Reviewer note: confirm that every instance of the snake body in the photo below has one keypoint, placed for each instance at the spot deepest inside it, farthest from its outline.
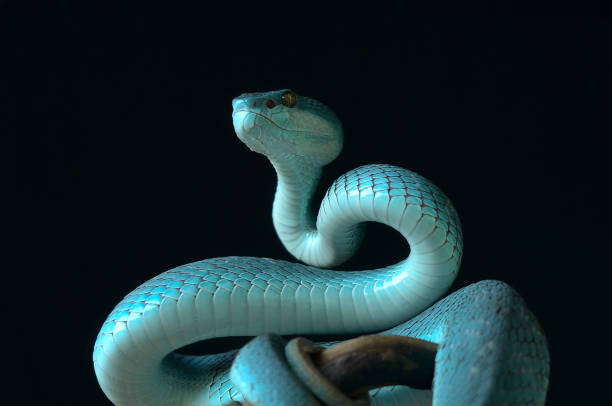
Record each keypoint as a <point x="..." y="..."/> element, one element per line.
<point x="491" y="348"/>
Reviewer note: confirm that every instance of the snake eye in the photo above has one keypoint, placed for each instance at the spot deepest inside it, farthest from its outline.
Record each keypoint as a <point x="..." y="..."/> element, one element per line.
<point x="288" y="99"/>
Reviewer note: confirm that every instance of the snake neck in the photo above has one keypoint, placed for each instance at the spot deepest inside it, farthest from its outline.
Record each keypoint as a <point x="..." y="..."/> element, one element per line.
<point x="291" y="211"/>
<point x="308" y="240"/>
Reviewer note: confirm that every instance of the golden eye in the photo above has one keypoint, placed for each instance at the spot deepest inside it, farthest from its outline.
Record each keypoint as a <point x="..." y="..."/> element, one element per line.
<point x="288" y="99"/>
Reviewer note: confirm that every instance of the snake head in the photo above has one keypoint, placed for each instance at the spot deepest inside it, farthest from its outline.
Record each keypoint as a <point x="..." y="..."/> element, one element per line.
<point x="285" y="125"/>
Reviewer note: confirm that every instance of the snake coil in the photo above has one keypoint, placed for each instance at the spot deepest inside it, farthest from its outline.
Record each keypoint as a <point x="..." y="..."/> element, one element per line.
<point x="491" y="348"/>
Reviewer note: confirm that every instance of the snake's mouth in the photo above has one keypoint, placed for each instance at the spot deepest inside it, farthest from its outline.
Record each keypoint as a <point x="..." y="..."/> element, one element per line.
<point x="247" y="111"/>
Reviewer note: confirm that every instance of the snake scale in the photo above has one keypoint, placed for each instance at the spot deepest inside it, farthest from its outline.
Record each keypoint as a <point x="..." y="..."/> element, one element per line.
<point x="492" y="350"/>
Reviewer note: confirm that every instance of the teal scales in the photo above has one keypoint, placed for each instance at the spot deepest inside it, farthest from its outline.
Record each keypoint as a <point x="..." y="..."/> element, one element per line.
<point x="491" y="348"/>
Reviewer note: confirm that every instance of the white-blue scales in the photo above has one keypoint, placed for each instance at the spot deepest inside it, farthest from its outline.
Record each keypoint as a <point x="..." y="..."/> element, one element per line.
<point x="491" y="348"/>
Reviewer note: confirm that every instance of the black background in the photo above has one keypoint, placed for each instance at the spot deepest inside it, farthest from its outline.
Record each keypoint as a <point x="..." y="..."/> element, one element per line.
<point x="126" y="164"/>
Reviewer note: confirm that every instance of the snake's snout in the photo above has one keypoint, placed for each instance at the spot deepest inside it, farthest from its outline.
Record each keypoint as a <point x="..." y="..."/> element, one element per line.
<point x="238" y="103"/>
<point x="245" y="122"/>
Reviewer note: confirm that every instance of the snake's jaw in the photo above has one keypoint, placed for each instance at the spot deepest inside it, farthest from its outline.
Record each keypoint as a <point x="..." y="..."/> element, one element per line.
<point x="306" y="129"/>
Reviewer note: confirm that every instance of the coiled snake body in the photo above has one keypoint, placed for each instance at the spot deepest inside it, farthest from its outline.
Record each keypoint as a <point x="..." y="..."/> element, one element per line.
<point x="491" y="348"/>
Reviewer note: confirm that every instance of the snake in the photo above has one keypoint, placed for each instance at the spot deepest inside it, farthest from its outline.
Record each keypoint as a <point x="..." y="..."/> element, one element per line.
<point x="491" y="348"/>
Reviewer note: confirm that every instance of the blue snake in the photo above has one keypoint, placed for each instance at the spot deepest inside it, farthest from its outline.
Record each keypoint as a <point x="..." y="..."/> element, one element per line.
<point x="491" y="351"/>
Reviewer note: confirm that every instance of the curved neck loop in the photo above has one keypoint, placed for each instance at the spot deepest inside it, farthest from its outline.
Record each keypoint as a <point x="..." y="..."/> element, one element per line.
<point x="291" y="211"/>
